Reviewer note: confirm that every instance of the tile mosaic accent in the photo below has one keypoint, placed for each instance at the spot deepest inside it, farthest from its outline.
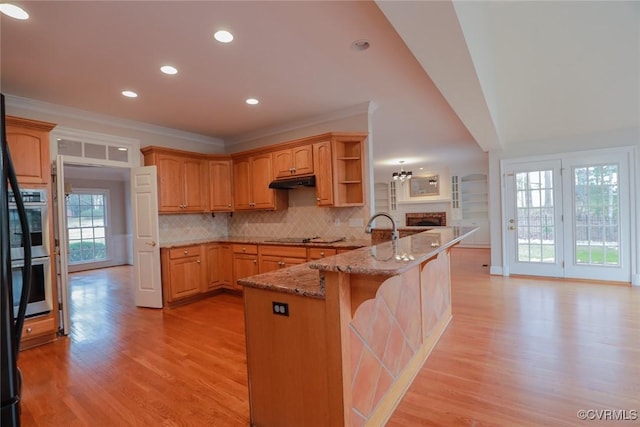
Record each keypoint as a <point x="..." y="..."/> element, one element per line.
<point x="184" y="227"/>
<point x="385" y="335"/>
<point x="302" y="219"/>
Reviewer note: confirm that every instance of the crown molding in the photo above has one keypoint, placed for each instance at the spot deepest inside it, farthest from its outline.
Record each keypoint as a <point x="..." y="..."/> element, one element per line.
<point x="75" y="113"/>
<point x="362" y="108"/>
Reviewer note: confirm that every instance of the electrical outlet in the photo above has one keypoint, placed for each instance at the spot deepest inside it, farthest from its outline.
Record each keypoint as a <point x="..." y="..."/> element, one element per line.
<point x="280" y="308"/>
<point x="336" y="222"/>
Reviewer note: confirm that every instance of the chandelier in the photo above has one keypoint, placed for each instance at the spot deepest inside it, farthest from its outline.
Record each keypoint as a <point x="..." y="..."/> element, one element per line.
<point x="403" y="175"/>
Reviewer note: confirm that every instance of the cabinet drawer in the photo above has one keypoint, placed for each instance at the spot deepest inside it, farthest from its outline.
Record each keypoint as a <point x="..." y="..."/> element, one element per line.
<point x="284" y="251"/>
<point x="33" y="328"/>
<point x="319" y="253"/>
<point x="184" y="251"/>
<point x="245" y="249"/>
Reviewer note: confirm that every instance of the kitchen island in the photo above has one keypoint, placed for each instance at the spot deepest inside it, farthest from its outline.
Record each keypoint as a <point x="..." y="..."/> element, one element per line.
<point x="337" y="341"/>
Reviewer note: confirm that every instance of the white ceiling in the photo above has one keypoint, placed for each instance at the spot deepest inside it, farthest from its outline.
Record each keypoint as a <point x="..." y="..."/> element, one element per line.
<point x="497" y="73"/>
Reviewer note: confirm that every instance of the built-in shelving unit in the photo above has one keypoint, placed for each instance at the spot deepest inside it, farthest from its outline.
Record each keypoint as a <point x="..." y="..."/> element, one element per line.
<point x="474" y="196"/>
<point x="470" y="207"/>
<point x="348" y="154"/>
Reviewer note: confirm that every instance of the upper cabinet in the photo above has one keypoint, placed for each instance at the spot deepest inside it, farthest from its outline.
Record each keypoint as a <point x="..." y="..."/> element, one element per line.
<point x="220" y="186"/>
<point x="324" y="178"/>
<point x="182" y="184"/>
<point x="29" y="145"/>
<point x="295" y="161"/>
<point x="251" y="178"/>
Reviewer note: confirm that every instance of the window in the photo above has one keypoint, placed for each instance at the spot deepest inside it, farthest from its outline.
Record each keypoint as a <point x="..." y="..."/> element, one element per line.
<point x="87" y="226"/>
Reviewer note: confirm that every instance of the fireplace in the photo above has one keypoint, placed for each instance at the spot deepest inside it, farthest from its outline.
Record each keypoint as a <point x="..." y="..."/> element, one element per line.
<point x="426" y="219"/>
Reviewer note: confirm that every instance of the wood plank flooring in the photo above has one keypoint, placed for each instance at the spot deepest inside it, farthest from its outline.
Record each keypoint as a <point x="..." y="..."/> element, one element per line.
<point x="518" y="352"/>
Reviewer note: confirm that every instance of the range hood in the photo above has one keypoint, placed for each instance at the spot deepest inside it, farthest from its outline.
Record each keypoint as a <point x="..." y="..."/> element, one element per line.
<point x="291" y="183"/>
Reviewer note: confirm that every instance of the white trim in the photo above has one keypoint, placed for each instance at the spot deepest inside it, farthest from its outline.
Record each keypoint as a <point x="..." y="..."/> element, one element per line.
<point x="635" y="279"/>
<point x="354" y="110"/>
<point x="75" y="113"/>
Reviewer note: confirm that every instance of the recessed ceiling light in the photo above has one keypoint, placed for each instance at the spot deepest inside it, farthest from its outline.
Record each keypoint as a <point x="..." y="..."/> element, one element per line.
<point x="360" y="45"/>
<point x="168" y="69"/>
<point x="252" y="101"/>
<point x="13" y="11"/>
<point x="129" y="94"/>
<point x="223" y="36"/>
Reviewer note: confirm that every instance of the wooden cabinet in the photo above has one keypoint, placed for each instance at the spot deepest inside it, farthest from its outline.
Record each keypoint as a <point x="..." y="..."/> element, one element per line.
<point x="324" y="177"/>
<point x="275" y="257"/>
<point x="182" y="184"/>
<point x="319" y="253"/>
<point x="38" y="330"/>
<point x="29" y="145"/>
<point x="183" y="273"/>
<point x="295" y="161"/>
<point x="220" y="186"/>
<point x="245" y="262"/>
<point x="251" y="178"/>
<point x="219" y="266"/>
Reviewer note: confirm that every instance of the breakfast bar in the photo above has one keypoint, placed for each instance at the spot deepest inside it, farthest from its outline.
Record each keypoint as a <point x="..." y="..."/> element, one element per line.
<point x="337" y="341"/>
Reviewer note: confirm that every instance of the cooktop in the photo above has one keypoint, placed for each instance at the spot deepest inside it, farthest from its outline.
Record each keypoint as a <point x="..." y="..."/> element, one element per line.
<point x="316" y="239"/>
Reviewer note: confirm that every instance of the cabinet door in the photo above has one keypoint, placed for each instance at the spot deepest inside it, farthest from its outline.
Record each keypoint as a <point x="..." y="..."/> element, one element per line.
<point x="30" y="154"/>
<point x="261" y="176"/>
<point x="302" y="160"/>
<point x="194" y="191"/>
<point x="241" y="185"/>
<point x="186" y="277"/>
<point x="214" y="273"/>
<point x="323" y="171"/>
<point x="244" y="265"/>
<point x="283" y="163"/>
<point x="220" y="190"/>
<point x="170" y="183"/>
<point x="225" y="265"/>
<point x="269" y="263"/>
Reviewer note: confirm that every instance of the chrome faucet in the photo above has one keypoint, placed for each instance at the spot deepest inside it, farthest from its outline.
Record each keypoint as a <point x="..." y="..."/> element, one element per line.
<point x="394" y="233"/>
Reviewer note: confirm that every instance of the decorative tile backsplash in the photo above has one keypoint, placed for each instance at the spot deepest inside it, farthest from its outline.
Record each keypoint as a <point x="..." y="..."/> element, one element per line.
<point x="185" y="227"/>
<point x="302" y="219"/>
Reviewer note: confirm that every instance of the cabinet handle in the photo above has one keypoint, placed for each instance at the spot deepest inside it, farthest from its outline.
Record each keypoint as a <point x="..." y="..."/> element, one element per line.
<point x="29" y="330"/>
<point x="255" y="261"/>
<point x="318" y="199"/>
<point x="198" y="261"/>
<point x="244" y="249"/>
<point x="322" y="254"/>
<point x="186" y="252"/>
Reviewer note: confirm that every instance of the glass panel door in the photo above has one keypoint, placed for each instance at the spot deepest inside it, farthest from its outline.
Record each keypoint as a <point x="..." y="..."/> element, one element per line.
<point x="534" y="230"/>
<point x="598" y="224"/>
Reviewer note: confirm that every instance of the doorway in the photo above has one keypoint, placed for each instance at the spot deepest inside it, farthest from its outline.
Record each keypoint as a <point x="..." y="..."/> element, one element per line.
<point x="569" y="216"/>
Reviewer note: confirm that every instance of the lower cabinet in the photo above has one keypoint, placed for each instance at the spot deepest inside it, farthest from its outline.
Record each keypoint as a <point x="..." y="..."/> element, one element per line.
<point x="219" y="267"/>
<point x="183" y="272"/>
<point x="191" y="271"/>
<point x="319" y="253"/>
<point x="245" y="262"/>
<point x="275" y="257"/>
<point x="38" y="330"/>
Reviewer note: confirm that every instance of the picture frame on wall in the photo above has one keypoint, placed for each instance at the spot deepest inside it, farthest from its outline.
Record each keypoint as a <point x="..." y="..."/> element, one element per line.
<point x="424" y="186"/>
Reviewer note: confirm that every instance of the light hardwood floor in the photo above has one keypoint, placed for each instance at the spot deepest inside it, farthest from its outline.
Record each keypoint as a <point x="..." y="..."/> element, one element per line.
<point x="518" y="352"/>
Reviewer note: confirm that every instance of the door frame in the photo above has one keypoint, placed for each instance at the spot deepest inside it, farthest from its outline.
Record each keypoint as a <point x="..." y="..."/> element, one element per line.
<point x="631" y="154"/>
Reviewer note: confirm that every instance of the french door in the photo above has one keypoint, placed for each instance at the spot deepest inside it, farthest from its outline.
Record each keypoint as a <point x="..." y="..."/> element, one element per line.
<point x="569" y="217"/>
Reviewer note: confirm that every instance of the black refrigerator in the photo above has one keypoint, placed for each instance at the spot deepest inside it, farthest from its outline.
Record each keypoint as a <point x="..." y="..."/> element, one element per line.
<point x="11" y="317"/>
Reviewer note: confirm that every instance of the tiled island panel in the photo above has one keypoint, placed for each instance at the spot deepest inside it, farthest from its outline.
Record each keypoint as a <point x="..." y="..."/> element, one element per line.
<point x="387" y="332"/>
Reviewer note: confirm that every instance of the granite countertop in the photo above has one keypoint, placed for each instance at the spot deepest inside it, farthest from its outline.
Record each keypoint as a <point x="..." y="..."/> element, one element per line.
<point x="389" y="258"/>
<point x="263" y="240"/>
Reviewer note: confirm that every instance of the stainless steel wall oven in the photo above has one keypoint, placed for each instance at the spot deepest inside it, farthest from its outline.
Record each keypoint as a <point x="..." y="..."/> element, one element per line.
<point x="35" y="203"/>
